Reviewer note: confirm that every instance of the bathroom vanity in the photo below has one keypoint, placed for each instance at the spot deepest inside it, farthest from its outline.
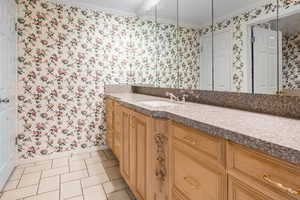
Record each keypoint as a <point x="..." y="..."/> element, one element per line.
<point x="195" y="151"/>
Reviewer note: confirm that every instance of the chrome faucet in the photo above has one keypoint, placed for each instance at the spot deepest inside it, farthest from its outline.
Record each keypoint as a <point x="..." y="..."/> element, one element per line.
<point x="177" y="99"/>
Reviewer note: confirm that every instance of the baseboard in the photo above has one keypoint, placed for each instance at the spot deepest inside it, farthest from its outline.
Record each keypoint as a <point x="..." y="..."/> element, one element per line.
<point x="6" y="171"/>
<point x="59" y="155"/>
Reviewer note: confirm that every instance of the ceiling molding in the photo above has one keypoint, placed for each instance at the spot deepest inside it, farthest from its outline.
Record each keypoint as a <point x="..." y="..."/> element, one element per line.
<point x="71" y="3"/>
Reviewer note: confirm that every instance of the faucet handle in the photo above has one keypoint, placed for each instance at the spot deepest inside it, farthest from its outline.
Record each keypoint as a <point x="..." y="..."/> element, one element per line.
<point x="184" y="98"/>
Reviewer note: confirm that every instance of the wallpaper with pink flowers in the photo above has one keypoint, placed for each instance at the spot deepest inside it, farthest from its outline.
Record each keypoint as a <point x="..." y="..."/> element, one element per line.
<point x="65" y="57"/>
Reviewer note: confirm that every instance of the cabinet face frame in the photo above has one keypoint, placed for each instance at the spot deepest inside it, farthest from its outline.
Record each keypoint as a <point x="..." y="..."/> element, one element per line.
<point x="117" y="128"/>
<point x="109" y="104"/>
<point x="126" y="146"/>
<point x="141" y="154"/>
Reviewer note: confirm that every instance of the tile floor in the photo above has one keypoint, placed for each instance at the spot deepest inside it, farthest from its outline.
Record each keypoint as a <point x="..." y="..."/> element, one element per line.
<point x="86" y="176"/>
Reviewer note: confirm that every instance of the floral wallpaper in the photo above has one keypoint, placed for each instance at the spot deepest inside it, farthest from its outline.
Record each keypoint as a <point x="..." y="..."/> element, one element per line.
<point x="65" y="57"/>
<point x="291" y="61"/>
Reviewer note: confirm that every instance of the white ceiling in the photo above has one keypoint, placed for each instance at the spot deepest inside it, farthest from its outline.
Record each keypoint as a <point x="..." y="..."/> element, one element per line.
<point x="127" y="7"/>
<point x="191" y="12"/>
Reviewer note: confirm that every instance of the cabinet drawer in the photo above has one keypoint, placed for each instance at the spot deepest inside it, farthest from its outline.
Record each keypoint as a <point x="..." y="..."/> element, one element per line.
<point x="193" y="178"/>
<point x="212" y="147"/>
<point x="264" y="170"/>
<point x="237" y="190"/>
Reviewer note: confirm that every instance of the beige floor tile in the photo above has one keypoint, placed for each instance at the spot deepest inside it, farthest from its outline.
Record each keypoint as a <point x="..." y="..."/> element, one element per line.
<point x="60" y="162"/>
<point x="113" y="173"/>
<point x="70" y="189"/>
<point x="114" y="186"/>
<point x="94" y="193"/>
<point x="54" y="195"/>
<point x="120" y="195"/>
<point x="110" y="163"/>
<point x="77" y="165"/>
<point x="77" y="198"/>
<point x="10" y="185"/>
<point x="80" y="156"/>
<point x="99" y="154"/>
<point x="55" y="172"/>
<point x="93" y="160"/>
<point x="94" y="180"/>
<point x="19" y="193"/>
<point x="74" y="176"/>
<point x="95" y="169"/>
<point x="30" y="179"/>
<point x="37" y="168"/>
<point x="25" y="165"/>
<point x="49" y="184"/>
<point x="44" y="162"/>
<point x="16" y="175"/>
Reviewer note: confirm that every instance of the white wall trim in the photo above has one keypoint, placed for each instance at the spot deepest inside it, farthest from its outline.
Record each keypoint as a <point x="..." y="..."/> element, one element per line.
<point x="93" y="7"/>
<point x="60" y="155"/>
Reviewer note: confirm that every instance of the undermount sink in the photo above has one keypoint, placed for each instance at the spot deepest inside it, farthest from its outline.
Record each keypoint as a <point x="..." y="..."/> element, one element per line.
<point x="157" y="103"/>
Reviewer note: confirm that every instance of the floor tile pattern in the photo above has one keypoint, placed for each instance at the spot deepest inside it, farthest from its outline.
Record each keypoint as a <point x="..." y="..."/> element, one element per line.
<point x="85" y="176"/>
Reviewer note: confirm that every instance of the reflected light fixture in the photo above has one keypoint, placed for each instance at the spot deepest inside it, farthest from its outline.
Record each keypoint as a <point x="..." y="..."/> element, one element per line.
<point x="146" y="6"/>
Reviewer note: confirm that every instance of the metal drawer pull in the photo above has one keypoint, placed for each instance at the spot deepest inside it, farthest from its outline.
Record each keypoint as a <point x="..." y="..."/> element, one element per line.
<point x="268" y="179"/>
<point x="190" y="140"/>
<point x="192" y="182"/>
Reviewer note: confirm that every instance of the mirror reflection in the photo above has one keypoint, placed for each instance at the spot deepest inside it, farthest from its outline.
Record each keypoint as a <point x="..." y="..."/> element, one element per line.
<point x="167" y="58"/>
<point x="195" y="44"/>
<point x="289" y="48"/>
<point x="245" y="46"/>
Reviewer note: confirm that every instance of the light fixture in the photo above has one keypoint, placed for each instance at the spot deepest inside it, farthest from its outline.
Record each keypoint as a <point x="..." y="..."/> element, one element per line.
<point x="146" y="6"/>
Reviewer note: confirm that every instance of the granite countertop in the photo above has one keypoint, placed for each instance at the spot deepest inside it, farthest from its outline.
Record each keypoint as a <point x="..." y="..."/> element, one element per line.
<point x="276" y="136"/>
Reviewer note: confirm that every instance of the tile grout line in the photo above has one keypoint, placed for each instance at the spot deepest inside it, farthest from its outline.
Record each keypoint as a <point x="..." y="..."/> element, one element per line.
<point x="86" y="167"/>
<point x="38" y="187"/>
<point x="82" y="190"/>
<point x="59" y="187"/>
<point x="17" y="187"/>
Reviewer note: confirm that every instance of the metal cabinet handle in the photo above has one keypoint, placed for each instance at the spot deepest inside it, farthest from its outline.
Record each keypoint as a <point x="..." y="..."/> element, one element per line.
<point x="268" y="179"/>
<point x="192" y="182"/>
<point x="190" y="140"/>
<point x="5" y="100"/>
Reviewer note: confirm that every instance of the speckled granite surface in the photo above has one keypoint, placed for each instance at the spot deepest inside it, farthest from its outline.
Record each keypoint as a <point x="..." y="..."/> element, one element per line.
<point x="285" y="106"/>
<point x="276" y="136"/>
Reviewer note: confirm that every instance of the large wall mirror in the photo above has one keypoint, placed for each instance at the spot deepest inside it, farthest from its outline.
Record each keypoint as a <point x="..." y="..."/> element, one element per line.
<point x="245" y="46"/>
<point x="249" y="46"/>
<point x="195" y="44"/>
<point x="167" y="35"/>
<point x="289" y="47"/>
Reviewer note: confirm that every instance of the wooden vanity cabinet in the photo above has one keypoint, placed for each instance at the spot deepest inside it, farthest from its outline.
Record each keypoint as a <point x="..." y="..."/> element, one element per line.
<point x="135" y="162"/>
<point x="117" y="130"/>
<point x="109" y="104"/>
<point x="141" y="126"/>
<point x="197" y="170"/>
<point x="165" y="160"/>
<point x="264" y="174"/>
<point x="126" y="154"/>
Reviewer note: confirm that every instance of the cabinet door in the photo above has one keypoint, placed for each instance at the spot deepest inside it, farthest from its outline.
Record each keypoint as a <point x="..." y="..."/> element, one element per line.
<point x="193" y="178"/>
<point x="109" y="120"/>
<point x="126" y="145"/>
<point x="141" y="160"/>
<point x="240" y="191"/>
<point x="117" y="130"/>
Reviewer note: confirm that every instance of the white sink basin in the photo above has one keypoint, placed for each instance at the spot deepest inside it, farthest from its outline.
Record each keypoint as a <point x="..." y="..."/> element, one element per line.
<point x="157" y="103"/>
